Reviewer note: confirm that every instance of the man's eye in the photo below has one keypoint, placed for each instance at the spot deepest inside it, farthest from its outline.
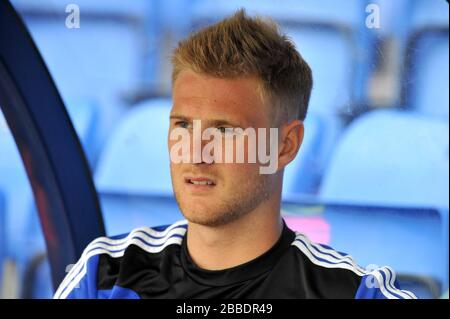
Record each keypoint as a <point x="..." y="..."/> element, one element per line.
<point x="224" y="130"/>
<point x="182" y="124"/>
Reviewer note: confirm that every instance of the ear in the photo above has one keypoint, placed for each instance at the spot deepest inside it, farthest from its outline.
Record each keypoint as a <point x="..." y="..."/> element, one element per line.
<point x="290" y="141"/>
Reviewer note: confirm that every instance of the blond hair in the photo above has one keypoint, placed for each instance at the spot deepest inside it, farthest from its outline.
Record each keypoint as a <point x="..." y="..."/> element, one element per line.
<point x="241" y="46"/>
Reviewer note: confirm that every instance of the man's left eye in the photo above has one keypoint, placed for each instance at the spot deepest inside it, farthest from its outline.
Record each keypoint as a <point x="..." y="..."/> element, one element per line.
<point x="224" y="130"/>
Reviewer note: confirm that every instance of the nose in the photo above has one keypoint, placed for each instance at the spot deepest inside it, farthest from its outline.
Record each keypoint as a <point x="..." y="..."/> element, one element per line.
<point x="197" y="152"/>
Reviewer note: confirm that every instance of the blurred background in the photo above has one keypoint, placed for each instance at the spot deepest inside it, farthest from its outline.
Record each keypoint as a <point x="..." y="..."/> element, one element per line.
<point x="372" y="175"/>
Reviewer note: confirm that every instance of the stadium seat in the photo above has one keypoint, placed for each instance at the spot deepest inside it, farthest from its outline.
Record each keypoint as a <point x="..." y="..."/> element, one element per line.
<point x="427" y="13"/>
<point x="84" y="116"/>
<point x="403" y="18"/>
<point x="135" y="162"/>
<point x="328" y="54"/>
<point x="136" y="158"/>
<point x="106" y="6"/>
<point x="348" y="12"/>
<point x="424" y="46"/>
<point x="102" y="61"/>
<point x="423" y="287"/>
<point x="123" y="212"/>
<point x="411" y="241"/>
<point x="37" y="282"/>
<point x="302" y="175"/>
<point x="392" y="158"/>
<point x="427" y="77"/>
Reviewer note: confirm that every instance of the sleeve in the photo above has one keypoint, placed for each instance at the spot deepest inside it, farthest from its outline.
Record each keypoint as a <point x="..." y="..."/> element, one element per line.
<point x="81" y="281"/>
<point x="381" y="284"/>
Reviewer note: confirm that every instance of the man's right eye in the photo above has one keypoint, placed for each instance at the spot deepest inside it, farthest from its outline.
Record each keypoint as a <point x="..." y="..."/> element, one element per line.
<point x="182" y="124"/>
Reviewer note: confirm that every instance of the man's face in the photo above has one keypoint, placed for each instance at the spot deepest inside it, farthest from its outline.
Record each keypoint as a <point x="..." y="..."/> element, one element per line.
<point x="232" y="189"/>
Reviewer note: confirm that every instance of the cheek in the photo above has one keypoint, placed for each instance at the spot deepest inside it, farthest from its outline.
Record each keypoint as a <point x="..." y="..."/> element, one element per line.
<point x="239" y="174"/>
<point x="175" y="170"/>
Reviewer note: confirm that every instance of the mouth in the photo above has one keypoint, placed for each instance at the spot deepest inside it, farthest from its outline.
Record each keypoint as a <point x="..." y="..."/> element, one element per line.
<point x="200" y="183"/>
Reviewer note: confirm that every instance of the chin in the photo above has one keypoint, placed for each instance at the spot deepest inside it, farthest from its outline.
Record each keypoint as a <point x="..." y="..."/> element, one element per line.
<point x="210" y="217"/>
<point x="198" y="214"/>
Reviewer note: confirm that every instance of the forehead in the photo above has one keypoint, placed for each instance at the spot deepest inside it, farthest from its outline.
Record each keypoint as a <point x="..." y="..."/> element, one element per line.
<point x="202" y="96"/>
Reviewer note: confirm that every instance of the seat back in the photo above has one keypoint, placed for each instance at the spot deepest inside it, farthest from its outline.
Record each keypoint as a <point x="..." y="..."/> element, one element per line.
<point x="136" y="158"/>
<point x="101" y="61"/>
<point x="391" y="158"/>
<point x="395" y="159"/>
<point x="427" y="76"/>
<point x="412" y="241"/>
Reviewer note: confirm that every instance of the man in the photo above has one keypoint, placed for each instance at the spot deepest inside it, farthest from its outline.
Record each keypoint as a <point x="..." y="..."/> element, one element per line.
<point x="239" y="73"/>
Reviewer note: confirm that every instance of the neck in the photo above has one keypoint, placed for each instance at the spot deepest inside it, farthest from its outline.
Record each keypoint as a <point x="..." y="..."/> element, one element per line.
<point x="227" y="246"/>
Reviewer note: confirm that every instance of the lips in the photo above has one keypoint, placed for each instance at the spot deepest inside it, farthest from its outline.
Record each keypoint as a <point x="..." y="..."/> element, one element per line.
<point x="200" y="182"/>
<point x="196" y="182"/>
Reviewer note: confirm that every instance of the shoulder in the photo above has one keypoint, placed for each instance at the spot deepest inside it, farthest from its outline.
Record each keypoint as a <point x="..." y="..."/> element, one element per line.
<point x="148" y="240"/>
<point x="372" y="283"/>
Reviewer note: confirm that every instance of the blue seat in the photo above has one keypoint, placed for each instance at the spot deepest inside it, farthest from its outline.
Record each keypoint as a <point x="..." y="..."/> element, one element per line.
<point x="123" y="212"/>
<point x="427" y="13"/>
<point x="411" y="241"/>
<point x="41" y="287"/>
<point x="135" y="162"/>
<point x="392" y="158"/>
<point x="134" y="8"/>
<point x="302" y="176"/>
<point x="84" y="115"/>
<point x="423" y="287"/>
<point x="427" y="76"/>
<point x="329" y="54"/>
<point x="136" y="158"/>
<point x="308" y="10"/>
<point x="402" y="18"/>
<point x="424" y="45"/>
<point x="102" y="61"/>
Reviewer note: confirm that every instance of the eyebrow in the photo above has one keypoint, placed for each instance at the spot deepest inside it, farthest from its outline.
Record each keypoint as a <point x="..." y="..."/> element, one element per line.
<point x="212" y="122"/>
